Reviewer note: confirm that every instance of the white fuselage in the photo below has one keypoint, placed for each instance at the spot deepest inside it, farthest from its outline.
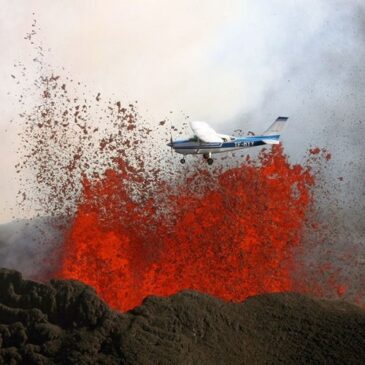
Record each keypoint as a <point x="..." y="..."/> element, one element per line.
<point x="188" y="147"/>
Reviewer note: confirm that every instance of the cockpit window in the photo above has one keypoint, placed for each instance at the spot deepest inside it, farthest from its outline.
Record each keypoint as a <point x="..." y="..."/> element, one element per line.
<point x="193" y="139"/>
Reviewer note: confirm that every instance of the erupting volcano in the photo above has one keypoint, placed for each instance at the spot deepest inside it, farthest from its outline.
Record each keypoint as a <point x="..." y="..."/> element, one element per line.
<point x="232" y="239"/>
<point x="142" y="224"/>
<point x="115" y="250"/>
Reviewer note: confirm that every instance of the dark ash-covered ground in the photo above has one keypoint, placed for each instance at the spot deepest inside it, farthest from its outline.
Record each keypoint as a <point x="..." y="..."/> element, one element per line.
<point x="64" y="322"/>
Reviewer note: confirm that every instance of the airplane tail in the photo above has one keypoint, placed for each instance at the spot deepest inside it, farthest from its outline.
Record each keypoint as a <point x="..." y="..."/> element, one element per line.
<point x="276" y="128"/>
<point x="273" y="132"/>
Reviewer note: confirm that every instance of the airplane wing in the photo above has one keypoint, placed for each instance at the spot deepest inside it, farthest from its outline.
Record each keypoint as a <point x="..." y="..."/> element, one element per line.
<point x="205" y="133"/>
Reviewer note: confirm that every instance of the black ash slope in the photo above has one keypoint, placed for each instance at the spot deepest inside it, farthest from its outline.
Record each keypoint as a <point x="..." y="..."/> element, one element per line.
<point x="64" y="322"/>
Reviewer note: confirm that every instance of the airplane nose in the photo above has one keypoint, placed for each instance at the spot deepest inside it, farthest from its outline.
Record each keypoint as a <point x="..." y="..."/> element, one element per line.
<point x="169" y="144"/>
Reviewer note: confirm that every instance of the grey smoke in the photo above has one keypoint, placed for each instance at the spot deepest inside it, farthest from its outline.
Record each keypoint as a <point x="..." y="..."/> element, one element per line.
<point x="321" y="87"/>
<point x="323" y="92"/>
<point x="30" y="246"/>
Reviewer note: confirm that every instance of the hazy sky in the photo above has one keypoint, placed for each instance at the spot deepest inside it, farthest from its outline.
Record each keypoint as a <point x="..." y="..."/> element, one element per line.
<point x="232" y="63"/>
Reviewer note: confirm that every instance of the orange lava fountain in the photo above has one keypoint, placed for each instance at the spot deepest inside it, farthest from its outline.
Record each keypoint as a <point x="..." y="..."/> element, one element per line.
<point x="232" y="239"/>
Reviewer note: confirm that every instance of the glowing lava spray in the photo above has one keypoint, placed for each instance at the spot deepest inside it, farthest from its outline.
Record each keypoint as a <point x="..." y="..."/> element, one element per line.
<point x="232" y="239"/>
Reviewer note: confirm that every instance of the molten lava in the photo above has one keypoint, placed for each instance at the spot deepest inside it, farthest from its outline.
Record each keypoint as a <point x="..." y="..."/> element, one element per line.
<point x="232" y="239"/>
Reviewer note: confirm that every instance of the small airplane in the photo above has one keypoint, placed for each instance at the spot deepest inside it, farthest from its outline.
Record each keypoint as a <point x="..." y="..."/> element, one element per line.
<point x="207" y="141"/>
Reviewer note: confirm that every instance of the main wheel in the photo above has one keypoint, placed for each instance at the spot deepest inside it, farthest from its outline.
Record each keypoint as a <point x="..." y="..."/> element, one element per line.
<point x="182" y="160"/>
<point x="210" y="161"/>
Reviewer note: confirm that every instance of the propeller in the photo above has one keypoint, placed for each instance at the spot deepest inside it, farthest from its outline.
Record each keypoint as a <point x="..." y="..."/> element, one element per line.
<point x="171" y="143"/>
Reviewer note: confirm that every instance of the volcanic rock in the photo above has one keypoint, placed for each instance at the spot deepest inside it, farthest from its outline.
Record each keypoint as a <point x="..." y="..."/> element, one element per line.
<point x="65" y="322"/>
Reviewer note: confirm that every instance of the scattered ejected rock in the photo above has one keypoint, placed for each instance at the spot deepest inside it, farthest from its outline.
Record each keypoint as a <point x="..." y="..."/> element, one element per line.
<point x="64" y="322"/>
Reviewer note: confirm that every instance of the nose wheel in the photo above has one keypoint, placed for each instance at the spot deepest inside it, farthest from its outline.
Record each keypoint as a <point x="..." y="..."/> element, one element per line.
<point x="208" y="158"/>
<point x="182" y="160"/>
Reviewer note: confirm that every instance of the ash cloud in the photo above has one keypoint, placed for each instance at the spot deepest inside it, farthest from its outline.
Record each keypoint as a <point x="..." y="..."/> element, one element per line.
<point x="31" y="246"/>
<point x="320" y="85"/>
<point x="322" y="89"/>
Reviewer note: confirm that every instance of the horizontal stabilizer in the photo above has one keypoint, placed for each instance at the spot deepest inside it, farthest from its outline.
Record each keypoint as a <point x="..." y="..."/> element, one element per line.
<point x="271" y="141"/>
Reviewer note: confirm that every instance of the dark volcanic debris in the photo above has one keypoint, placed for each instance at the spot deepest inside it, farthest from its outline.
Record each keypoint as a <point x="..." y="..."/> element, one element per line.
<point x="64" y="322"/>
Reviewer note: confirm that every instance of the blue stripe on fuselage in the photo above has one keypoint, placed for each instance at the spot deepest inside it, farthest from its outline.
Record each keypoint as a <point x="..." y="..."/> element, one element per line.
<point x="255" y="138"/>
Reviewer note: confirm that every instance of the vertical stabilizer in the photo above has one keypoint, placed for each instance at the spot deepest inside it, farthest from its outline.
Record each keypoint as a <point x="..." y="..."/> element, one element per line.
<point x="277" y="127"/>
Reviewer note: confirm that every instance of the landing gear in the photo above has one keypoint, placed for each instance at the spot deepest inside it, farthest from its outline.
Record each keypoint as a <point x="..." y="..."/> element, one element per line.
<point x="182" y="160"/>
<point x="208" y="157"/>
